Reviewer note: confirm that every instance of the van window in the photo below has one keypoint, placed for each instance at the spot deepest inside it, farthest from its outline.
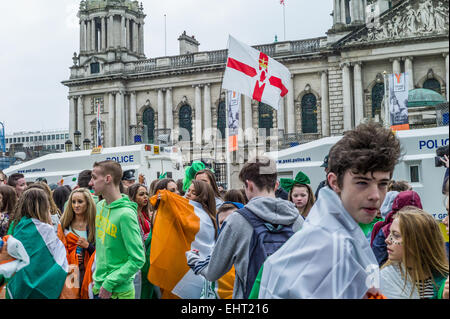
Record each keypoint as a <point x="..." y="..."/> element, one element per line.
<point x="414" y="173"/>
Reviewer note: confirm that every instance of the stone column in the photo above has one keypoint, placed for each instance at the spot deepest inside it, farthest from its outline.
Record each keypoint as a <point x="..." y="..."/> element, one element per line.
<point x="396" y="67"/>
<point x="72" y="118"/>
<point x="207" y="107"/>
<point x="447" y="76"/>
<point x="290" y="110"/>
<point x="247" y="115"/>
<point x="343" y="16"/>
<point x="80" y="115"/>
<point x="141" y="38"/>
<point x="119" y="117"/>
<point x="410" y="71"/>
<point x="135" y="37"/>
<point x="111" y="31"/>
<point x="93" y="37"/>
<point x="82" y="40"/>
<point x="337" y="12"/>
<point x="347" y="101"/>
<point x="353" y="11"/>
<point x="325" y="110"/>
<point x="122" y="33"/>
<point x="359" y="93"/>
<point x="127" y="23"/>
<point x="280" y="114"/>
<point x="169" y="110"/>
<point x="133" y="109"/>
<point x="198" y="115"/>
<point x="88" y="35"/>
<point x="111" y="123"/>
<point x="160" y="109"/>
<point x="103" y="33"/>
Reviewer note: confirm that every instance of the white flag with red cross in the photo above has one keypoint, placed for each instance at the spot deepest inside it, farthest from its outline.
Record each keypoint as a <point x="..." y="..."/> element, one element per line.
<point x="255" y="74"/>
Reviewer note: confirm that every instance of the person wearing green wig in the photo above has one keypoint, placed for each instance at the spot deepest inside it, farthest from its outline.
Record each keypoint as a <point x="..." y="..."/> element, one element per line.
<point x="189" y="173"/>
<point x="300" y="193"/>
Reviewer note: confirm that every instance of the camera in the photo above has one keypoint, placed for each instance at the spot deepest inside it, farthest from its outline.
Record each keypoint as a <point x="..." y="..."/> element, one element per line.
<point x="440" y="152"/>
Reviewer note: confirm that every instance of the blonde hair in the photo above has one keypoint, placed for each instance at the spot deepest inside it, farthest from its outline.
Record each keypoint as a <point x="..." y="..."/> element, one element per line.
<point x="91" y="210"/>
<point x="424" y="253"/>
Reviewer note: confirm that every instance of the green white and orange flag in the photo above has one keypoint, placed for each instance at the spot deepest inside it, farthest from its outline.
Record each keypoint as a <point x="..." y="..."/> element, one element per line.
<point x="45" y="276"/>
<point x="180" y="225"/>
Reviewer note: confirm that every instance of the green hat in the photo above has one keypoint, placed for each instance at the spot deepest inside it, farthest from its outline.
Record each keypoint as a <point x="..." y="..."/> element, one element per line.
<point x="301" y="178"/>
<point x="190" y="172"/>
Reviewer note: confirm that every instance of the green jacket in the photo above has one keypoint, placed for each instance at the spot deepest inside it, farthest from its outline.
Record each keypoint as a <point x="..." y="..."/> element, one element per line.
<point x="119" y="249"/>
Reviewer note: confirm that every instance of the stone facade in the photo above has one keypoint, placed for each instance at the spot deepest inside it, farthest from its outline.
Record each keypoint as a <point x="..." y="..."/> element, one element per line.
<point x="340" y="75"/>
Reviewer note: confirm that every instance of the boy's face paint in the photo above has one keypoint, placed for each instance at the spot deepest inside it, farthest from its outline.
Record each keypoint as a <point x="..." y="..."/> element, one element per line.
<point x="361" y="194"/>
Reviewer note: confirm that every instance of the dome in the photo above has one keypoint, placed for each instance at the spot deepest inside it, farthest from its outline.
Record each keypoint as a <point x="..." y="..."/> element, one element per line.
<point x="424" y="97"/>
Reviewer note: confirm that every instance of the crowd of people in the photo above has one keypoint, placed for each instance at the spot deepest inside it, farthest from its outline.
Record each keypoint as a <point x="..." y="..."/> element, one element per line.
<point x="116" y="236"/>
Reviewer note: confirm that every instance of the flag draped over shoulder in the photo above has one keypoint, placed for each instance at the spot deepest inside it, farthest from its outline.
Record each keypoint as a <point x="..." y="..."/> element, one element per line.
<point x="180" y="225"/>
<point x="88" y="283"/>
<point x="255" y="74"/>
<point x="70" y="240"/>
<point x="46" y="274"/>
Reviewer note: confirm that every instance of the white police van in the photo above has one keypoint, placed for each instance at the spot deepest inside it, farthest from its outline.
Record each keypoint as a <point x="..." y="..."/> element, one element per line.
<point x="416" y="166"/>
<point x="147" y="159"/>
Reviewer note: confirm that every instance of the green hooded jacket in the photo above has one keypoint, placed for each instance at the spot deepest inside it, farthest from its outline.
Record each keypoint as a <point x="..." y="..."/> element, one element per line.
<point x="119" y="250"/>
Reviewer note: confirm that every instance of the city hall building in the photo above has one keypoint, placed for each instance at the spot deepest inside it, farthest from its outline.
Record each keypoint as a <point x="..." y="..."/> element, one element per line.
<point x="337" y="81"/>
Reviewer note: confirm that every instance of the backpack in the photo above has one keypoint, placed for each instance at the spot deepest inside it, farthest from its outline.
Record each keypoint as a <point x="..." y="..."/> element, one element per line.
<point x="266" y="240"/>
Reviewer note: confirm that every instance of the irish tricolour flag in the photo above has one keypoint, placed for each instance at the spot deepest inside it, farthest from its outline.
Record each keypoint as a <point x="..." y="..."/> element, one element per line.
<point x="46" y="274"/>
<point x="180" y="225"/>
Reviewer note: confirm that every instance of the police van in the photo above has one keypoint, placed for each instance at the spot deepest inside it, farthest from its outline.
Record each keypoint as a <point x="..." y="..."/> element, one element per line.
<point x="150" y="160"/>
<point x="416" y="166"/>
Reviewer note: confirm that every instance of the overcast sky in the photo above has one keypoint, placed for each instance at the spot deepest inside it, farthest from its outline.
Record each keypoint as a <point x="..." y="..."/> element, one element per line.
<point x="38" y="39"/>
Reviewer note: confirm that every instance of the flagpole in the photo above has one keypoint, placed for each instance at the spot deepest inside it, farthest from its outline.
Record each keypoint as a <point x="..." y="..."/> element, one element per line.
<point x="165" y="36"/>
<point x="284" y="20"/>
<point x="227" y="130"/>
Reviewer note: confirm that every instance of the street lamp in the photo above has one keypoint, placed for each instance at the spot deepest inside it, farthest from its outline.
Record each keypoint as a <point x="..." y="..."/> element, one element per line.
<point x="77" y="138"/>
<point x="68" y="146"/>
<point x="86" y="144"/>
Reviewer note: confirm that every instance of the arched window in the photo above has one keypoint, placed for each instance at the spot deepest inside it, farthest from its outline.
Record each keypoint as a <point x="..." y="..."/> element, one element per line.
<point x="221" y="118"/>
<point x="377" y="98"/>
<point x="309" y="113"/>
<point x="265" y="117"/>
<point x="185" y="120"/>
<point x="432" y="84"/>
<point x="148" y="119"/>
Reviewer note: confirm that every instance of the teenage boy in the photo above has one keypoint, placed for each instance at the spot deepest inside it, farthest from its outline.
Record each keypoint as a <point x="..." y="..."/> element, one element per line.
<point x="330" y="257"/>
<point x="119" y="250"/>
<point x="233" y="244"/>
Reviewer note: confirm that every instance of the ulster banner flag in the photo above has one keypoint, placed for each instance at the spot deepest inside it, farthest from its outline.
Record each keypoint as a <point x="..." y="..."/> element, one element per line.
<point x="254" y="74"/>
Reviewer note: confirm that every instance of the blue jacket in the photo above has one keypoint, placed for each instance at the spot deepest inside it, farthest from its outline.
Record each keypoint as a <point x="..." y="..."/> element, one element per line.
<point x="379" y="248"/>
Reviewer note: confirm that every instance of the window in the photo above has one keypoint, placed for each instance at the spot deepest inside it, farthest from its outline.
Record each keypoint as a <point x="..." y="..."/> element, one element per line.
<point x="62" y="146"/>
<point x="414" y="173"/>
<point x="95" y="68"/>
<point x="15" y="140"/>
<point x="265" y="118"/>
<point x="221" y="118"/>
<point x="57" y="146"/>
<point x="40" y="137"/>
<point x="27" y="139"/>
<point x="377" y="98"/>
<point x="53" y="147"/>
<point x="53" y="136"/>
<point x="148" y="119"/>
<point x="432" y="84"/>
<point x="67" y="136"/>
<point x="48" y="137"/>
<point x="309" y="113"/>
<point x="185" y="119"/>
<point x="6" y="140"/>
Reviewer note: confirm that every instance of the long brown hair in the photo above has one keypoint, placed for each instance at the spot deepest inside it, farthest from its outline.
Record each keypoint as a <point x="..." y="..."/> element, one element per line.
<point x="91" y="210"/>
<point x="205" y="196"/>
<point x="212" y="181"/>
<point x="424" y="253"/>
<point x="33" y="203"/>
<point x="54" y="210"/>
<point x="9" y="199"/>
<point x="311" y="198"/>
<point x="132" y="193"/>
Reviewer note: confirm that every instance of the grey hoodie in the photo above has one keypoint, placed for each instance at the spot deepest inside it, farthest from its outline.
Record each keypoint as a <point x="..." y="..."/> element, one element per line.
<point x="232" y="245"/>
